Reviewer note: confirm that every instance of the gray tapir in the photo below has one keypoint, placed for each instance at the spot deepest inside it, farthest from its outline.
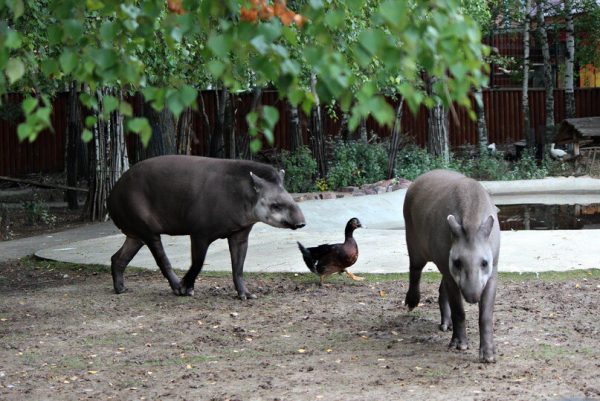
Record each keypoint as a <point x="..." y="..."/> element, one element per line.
<point x="201" y="197"/>
<point x="451" y="221"/>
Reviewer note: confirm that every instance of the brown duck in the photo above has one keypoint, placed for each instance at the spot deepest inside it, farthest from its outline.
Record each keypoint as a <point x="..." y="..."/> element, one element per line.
<point x="327" y="259"/>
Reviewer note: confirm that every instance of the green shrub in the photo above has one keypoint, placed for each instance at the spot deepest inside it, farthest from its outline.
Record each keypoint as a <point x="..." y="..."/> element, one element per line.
<point x="357" y="163"/>
<point x="300" y="170"/>
<point x="412" y="161"/>
<point x="487" y="167"/>
<point x="527" y="168"/>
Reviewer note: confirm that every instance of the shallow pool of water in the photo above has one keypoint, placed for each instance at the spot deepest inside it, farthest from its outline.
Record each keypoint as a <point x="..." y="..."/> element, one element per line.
<point x="549" y="217"/>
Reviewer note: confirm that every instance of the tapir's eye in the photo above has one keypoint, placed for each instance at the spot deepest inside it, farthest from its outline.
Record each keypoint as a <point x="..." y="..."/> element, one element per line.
<point x="457" y="264"/>
<point x="276" y="207"/>
<point x="484" y="263"/>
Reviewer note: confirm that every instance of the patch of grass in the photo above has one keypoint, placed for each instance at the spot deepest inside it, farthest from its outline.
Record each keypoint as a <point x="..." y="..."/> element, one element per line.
<point x="188" y="360"/>
<point x="308" y="277"/>
<point x="549" y="351"/>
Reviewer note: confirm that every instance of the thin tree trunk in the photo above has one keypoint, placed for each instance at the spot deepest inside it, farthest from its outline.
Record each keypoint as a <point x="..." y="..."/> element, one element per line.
<point x="344" y="133"/>
<point x="530" y="139"/>
<point x="438" y="140"/>
<point x="570" y="60"/>
<point x="74" y="130"/>
<point x="229" y="127"/>
<point x="316" y="130"/>
<point x="243" y="140"/>
<point x="395" y="141"/>
<point x="185" y="133"/>
<point x="109" y="157"/>
<point x="205" y="125"/>
<point x="295" y="132"/>
<point x="482" y="132"/>
<point x="217" y="139"/>
<point x="363" y="130"/>
<point x="548" y="82"/>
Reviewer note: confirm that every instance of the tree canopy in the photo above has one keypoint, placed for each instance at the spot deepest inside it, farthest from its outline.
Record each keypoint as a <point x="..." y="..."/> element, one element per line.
<point x="169" y="50"/>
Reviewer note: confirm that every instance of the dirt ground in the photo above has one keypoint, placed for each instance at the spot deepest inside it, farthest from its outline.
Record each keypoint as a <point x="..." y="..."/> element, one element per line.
<point x="64" y="335"/>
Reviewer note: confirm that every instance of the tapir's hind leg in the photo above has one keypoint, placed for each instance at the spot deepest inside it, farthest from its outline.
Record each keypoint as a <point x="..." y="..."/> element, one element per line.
<point x="199" y="248"/>
<point x="163" y="263"/>
<point x="445" y="312"/>
<point x="121" y="259"/>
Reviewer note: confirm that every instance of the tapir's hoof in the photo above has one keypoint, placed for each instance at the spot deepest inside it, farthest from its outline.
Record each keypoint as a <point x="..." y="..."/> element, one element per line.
<point x="459" y="345"/>
<point x="183" y="290"/>
<point x="246" y="295"/>
<point x="412" y="301"/>
<point x="486" y="356"/>
<point x="121" y="290"/>
<point x="446" y="327"/>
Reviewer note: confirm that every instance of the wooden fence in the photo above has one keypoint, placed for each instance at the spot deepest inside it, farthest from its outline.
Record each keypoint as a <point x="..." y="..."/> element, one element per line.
<point x="502" y="108"/>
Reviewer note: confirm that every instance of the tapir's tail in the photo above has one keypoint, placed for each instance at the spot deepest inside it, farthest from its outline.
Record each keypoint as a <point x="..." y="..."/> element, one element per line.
<point x="307" y="258"/>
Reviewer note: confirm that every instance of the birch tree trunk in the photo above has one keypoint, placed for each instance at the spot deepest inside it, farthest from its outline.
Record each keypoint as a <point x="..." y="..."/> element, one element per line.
<point x="570" y="60"/>
<point x="110" y="159"/>
<point x="548" y="82"/>
<point x="482" y="132"/>
<point x="529" y="137"/>
<point x="295" y="130"/>
<point x="395" y="141"/>
<point x="438" y="139"/>
<point x="74" y="143"/>
<point x="363" y="134"/>
<point x="316" y="130"/>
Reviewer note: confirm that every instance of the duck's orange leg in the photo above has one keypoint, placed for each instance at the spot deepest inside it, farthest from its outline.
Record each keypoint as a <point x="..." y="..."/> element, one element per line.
<point x="353" y="277"/>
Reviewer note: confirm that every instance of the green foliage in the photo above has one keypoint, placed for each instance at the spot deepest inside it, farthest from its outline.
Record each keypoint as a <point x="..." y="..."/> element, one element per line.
<point x="37" y="212"/>
<point x="356" y="49"/>
<point x="357" y="163"/>
<point x="300" y="169"/>
<point x="527" y="168"/>
<point x="412" y="161"/>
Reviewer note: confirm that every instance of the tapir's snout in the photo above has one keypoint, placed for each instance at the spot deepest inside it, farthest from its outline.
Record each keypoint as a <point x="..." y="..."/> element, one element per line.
<point x="299" y="225"/>
<point x="471" y="296"/>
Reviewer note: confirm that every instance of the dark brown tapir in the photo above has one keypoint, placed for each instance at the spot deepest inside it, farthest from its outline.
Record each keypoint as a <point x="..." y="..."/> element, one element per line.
<point x="451" y="220"/>
<point x="204" y="198"/>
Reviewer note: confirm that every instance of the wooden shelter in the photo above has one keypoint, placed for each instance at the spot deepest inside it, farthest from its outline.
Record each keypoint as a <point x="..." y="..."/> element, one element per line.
<point x="580" y="132"/>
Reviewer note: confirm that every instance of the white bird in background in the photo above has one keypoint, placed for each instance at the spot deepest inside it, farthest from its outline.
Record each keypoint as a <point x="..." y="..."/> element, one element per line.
<point x="491" y="148"/>
<point x="557" y="153"/>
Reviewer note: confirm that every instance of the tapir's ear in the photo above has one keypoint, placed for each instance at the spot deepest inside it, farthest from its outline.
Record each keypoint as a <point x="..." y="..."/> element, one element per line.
<point x="486" y="227"/>
<point x="258" y="182"/>
<point x="455" y="226"/>
<point x="282" y="174"/>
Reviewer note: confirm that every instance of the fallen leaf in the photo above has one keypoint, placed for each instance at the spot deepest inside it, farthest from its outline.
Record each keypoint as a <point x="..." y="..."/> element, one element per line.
<point x="382" y="293"/>
<point x="188" y="366"/>
<point x="301" y="351"/>
<point x="92" y="372"/>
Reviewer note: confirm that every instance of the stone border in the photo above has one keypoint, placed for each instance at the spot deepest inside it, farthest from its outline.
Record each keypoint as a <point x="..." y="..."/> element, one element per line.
<point x="379" y="187"/>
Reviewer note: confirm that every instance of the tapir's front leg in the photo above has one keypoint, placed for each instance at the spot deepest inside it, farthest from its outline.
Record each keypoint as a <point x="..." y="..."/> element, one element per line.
<point x="238" y="245"/>
<point x="487" y="350"/>
<point x="459" y="332"/>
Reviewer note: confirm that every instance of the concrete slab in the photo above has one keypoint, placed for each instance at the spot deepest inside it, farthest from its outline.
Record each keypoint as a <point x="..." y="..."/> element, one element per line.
<point x="382" y="244"/>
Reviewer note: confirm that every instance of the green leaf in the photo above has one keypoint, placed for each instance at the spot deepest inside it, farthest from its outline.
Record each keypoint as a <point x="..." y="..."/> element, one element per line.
<point x="29" y="105"/>
<point x="13" y="39"/>
<point x="141" y="127"/>
<point x="110" y="104"/>
<point x="90" y="121"/>
<point x="24" y="131"/>
<point x="73" y="29"/>
<point x="216" y="68"/>
<point x="188" y="95"/>
<point x="15" y="69"/>
<point x="17" y="7"/>
<point x="270" y="115"/>
<point x="220" y="45"/>
<point x="108" y="31"/>
<point x="55" y="34"/>
<point x="255" y="145"/>
<point x="126" y="109"/>
<point x="334" y="18"/>
<point x="86" y="135"/>
<point x="50" y="67"/>
<point x="68" y="61"/>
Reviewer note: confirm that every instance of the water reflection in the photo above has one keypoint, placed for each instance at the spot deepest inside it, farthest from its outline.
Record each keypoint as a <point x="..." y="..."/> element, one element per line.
<point x="549" y="217"/>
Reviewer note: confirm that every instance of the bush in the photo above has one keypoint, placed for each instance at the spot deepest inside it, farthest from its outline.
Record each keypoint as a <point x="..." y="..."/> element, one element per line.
<point x="526" y="168"/>
<point x="412" y="161"/>
<point x="300" y="170"/>
<point x="357" y="163"/>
